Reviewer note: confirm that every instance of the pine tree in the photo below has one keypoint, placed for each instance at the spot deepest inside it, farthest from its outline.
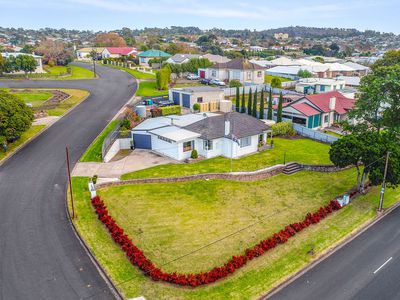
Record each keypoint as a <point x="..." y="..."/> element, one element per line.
<point x="243" y="102"/>
<point x="237" y="99"/>
<point x="249" y="103"/>
<point x="279" y="115"/>
<point x="261" y="116"/>
<point x="270" y="111"/>
<point x="254" y="112"/>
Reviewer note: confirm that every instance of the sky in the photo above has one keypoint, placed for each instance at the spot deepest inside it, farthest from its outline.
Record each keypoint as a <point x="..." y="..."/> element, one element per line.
<point x="106" y="15"/>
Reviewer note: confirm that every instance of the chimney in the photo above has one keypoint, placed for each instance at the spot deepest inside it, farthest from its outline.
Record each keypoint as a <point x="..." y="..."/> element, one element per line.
<point x="227" y="127"/>
<point x="332" y="103"/>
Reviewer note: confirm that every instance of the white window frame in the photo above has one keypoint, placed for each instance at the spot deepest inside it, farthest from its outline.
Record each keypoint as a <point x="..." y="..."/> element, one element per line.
<point x="208" y="145"/>
<point x="187" y="149"/>
<point x="259" y="74"/>
<point x="248" y="75"/>
<point x="245" y="142"/>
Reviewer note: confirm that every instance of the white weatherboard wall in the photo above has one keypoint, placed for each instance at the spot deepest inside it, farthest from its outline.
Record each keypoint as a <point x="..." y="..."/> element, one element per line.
<point x="165" y="148"/>
<point x="119" y="144"/>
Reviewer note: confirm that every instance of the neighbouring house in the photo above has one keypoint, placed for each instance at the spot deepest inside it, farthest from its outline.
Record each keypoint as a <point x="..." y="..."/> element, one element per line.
<point x="359" y="70"/>
<point x="319" y="85"/>
<point x="238" y="69"/>
<point x="230" y="135"/>
<point x="145" y="56"/>
<point x="179" y="59"/>
<point x="216" y="59"/>
<point x="85" y="53"/>
<point x="318" y="111"/>
<point x="38" y="59"/>
<point x="118" y="52"/>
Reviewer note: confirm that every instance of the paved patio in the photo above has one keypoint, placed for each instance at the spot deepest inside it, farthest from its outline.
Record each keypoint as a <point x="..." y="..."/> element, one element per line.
<point x="137" y="160"/>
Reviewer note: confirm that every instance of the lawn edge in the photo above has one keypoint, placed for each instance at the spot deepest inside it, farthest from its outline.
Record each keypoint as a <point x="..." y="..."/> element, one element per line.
<point x="28" y="141"/>
<point x="330" y="251"/>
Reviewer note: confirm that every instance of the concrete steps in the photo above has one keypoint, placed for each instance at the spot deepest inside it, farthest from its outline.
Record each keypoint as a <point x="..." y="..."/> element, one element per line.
<point x="292" y="168"/>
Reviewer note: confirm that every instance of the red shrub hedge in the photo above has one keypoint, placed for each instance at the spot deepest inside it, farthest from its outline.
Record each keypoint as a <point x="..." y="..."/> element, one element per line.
<point x="137" y="257"/>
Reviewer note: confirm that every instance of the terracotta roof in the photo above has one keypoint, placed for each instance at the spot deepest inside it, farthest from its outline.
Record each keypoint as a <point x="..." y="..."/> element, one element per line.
<point x="121" y="50"/>
<point x="238" y="64"/>
<point x="343" y="104"/>
<point x="305" y="109"/>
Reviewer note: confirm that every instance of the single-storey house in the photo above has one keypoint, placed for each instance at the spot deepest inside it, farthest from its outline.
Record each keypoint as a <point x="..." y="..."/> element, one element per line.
<point x="216" y="59"/>
<point x="182" y="58"/>
<point x="117" y="52"/>
<point x="230" y="135"/>
<point x="38" y="59"/>
<point x="359" y="70"/>
<point x="188" y="96"/>
<point x="319" y="110"/>
<point x="145" y="56"/>
<point x="319" y="85"/>
<point x="85" y="53"/>
<point x="238" y="69"/>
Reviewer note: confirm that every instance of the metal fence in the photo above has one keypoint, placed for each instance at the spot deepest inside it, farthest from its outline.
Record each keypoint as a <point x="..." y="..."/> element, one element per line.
<point x="109" y="140"/>
<point x="315" y="135"/>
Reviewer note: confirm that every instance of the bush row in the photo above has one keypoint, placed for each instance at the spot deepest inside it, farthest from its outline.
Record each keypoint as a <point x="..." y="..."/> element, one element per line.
<point x="138" y="258"/>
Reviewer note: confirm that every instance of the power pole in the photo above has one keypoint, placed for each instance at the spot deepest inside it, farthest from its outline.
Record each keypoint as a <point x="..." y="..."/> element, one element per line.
<point x="70" y="183"/>
<point x="384" y="183"/>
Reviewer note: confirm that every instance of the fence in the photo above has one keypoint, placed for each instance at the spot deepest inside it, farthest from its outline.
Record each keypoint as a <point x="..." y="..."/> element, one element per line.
<point x="109" y="140"/>
<point x="315" y="135"/>
<point x="259" y="87"/>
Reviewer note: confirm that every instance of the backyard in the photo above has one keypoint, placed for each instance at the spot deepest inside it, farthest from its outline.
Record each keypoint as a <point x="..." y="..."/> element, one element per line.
<point x="168" y="221"/>
<point x="148" y="88"/>
<point x="268" y="79"/>
<point x="301" y="150"/>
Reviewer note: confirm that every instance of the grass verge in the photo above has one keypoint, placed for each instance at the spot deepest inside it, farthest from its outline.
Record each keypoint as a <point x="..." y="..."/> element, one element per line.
<point x="30" y="133"/>
<point x="76" y="97"/>
<point x="255" y="279"/>
<point x="148" y="89"/>
<point x="93" y="153"/>
<point x="135" y="73"/>
<point x="301" y="150"/>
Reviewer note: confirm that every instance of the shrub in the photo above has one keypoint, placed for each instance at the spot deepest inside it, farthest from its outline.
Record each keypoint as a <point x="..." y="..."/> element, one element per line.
<point x="94" y="179"/>
<point x="283" y="128"/>
<point x="125" y="124"/>
<point x="276" y="82"/>
<point x="235" y="83"/>
<point x="170" y="110"/>
<point x="196" y="107"/>
<point x="194" y="154"/>
<point x="51" y="63"/>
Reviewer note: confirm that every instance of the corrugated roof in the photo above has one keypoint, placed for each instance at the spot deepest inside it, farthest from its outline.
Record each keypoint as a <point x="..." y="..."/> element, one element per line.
<point x="343" y="104"/>
<point x="238" y="64"/>
<point x="305" y="109"/>
<point x="154" y="53"/>
<point x="175" y="133"/>
<point x="121" y="50"/>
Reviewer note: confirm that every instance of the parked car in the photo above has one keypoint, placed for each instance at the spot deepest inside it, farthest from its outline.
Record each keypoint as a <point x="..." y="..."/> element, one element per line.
<point x="192" y="77"/>
<point x="217" y="82"/>
<point x="165" y="102"/>
<point x="205" y="81"/>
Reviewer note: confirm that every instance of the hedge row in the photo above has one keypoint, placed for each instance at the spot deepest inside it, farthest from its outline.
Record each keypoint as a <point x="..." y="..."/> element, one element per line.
<point x="170" y="110"/>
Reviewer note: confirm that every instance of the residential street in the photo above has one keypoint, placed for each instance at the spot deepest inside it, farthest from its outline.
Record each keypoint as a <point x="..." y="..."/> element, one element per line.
<point x="41" y="258"/>
<point x="366" y="268"/>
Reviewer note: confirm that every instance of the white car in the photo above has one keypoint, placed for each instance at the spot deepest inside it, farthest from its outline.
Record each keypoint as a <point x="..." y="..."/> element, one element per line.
<point x="217" y="82"/>
<point x="192" y="77"/>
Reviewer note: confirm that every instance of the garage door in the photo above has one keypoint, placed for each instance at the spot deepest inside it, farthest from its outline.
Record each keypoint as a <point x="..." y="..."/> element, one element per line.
<point x="186" y="100"/>
<point x="142" y="141"/>
<point x="175" y="98"/>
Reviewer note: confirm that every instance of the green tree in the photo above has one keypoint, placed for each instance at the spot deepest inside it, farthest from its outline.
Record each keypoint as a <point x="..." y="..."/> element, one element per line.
<point x="163" y="78"/>
<point x="15" y="117"/>
<point x="25" y="63"/>
<point x="276" y="83"/>
<point x="261" y="116"/>
<point x="243" y="105"/>
<point x="304" y="74"/>
<point x="237" y="99"/>
<point x="2" y="65"/>
<point x="254" y="106"/>
<point x="270" y="110"/>
<point x="249" y="101"/>
<point x="280" y="106"/>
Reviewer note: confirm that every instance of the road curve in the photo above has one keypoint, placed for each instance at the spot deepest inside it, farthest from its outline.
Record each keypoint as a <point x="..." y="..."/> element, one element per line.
<point x="40" y="256"/>
<point x="366" y="268"/>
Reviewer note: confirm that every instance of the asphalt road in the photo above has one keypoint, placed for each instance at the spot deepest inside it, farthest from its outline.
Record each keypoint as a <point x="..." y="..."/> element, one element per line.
<point x="366" y="268"/>
<point x="40" y="257"/>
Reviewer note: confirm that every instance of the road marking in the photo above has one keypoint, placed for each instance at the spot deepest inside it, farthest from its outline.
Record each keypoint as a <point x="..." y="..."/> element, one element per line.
<point x="383" y="265"/>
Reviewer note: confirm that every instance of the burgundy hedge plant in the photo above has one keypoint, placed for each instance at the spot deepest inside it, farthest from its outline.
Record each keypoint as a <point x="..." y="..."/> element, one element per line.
<point x="138" y="258"/>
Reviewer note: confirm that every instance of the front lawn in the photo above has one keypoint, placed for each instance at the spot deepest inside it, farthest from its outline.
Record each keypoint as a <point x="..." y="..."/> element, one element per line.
<point x="76" y="96"/>
<point x="30" y="133"/>
<point x="148" y="89"/>
<point x="301" y="150"/>
<point x="33" y="96"/>
<point x="93" y="153"/>
<point x="170" y="220"/>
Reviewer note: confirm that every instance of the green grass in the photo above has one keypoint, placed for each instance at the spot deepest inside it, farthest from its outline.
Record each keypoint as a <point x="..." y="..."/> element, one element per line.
<point x="30" y="133"/>
<point x="76" y="96"/>
<point x="301" y="150"/>
<point x="268" y="78"/>
<point x="179" y="213"/>
<point x="35" y="97"/>
<point x="93" y="153"/>
<point x="333" y="134"/>
<point x="148" y="88"/>
<point x="134" y="73"/>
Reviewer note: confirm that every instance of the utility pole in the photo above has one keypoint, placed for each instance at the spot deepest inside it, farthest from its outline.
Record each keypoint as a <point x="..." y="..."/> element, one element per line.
<point x="94" y="56"/>
<point x="70" y="183"/>
<point x="383" y="183"/>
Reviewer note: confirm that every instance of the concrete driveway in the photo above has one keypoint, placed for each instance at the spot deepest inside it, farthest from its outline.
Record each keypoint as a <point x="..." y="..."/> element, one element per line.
<point x="137" y="160"/>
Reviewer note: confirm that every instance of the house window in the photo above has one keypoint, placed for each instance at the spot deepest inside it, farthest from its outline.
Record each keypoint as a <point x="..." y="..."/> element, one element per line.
<point x="208" y="145"/>
<point x="245" y="142"/>
<point x="214" y="73"/>
<point x="322" y="88"/>
<point x="326" y="118"/>
<point x="259" y="74"/>
<point x="187" y="146"/>
<point x="200" y="100"/>
<point x="248" y="74"/>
